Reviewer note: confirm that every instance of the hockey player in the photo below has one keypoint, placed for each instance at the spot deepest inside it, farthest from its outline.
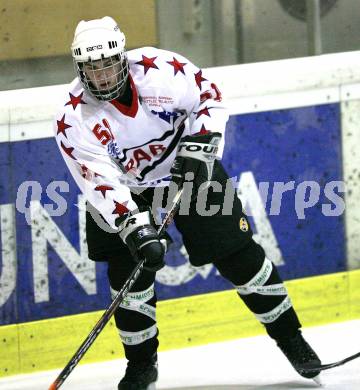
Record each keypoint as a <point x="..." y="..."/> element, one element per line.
<point x="130" y="122"/>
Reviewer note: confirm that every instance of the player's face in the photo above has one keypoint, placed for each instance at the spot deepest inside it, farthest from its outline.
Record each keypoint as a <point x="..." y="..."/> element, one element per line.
<point x="103" y="74"/>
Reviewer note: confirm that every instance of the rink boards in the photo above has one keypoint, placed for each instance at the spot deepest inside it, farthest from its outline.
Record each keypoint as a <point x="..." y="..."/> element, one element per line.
<point x="301" y="142"/>
<point x="54" y="280"/>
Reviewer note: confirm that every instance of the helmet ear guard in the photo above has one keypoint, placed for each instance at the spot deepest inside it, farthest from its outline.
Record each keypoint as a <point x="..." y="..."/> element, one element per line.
<point x="101" y="42"/>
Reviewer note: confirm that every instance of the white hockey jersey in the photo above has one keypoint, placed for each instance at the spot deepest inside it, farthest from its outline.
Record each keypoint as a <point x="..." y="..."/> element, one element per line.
<point x="111" y="148"/>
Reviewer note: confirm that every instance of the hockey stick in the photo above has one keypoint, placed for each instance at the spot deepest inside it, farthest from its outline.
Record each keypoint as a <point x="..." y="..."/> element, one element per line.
<point x="120" y="296"/>
<point x="322" y="367"/>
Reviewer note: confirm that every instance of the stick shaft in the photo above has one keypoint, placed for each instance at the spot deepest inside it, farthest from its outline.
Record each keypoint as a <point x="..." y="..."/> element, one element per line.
<point x="120" y="296"/>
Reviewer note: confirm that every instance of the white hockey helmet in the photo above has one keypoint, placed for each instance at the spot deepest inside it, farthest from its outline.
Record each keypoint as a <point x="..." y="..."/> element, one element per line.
<point x="99" y="47"/>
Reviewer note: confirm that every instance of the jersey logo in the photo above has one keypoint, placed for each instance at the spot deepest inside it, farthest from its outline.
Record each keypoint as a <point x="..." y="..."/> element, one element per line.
<point x="165" y="115"/>
<point x="144" y="153"/>
<point x="114" y="150"/>
<point x="154" y="148"/>
<point x="150" y="154"/>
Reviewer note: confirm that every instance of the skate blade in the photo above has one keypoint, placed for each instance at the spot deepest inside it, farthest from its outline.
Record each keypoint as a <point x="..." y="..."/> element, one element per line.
<point x="317" y="380"/>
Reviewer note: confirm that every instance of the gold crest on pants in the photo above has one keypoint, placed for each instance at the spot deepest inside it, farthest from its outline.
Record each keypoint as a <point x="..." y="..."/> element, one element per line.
<point x="244" y="226"/>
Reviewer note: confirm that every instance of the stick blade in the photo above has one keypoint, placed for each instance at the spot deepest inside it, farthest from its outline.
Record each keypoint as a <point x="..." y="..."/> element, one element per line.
<point x="317" y="380"/>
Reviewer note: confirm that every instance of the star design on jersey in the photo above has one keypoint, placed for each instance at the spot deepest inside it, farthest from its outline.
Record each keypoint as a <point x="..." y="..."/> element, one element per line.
<point x="199" y="79"/>
<point x="62" y="126"/>
<point x="147" y="63"/>
<point x="68" y="151"/>
<point x="75" y="100"/>
<point x="178" y="66"/>
<point x="103" y="188"/>
<point x="203" y="111"/>
<point x="203" y="130"/>
<point x="84" y="170"/>
<point x="120" y="208"/>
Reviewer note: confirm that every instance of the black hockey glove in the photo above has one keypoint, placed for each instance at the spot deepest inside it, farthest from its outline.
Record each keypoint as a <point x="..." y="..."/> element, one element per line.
<point x="196" y="154"/>
<point x="140" y="235"/>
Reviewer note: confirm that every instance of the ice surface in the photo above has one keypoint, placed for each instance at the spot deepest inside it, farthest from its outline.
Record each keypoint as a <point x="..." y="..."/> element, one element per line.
<point x="244" y="364"/>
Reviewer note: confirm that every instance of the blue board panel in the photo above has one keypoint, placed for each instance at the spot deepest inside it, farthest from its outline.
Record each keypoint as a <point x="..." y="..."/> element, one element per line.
<point x="279" y="146"/>
<point x="301" y="144"/>
<point x="8" y="306"/>
<point x="40" y="161"/>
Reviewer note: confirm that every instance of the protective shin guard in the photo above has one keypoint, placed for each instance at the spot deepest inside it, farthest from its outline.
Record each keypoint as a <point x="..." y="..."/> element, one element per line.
<point x="136" y="323"/>
<point x="259" y="285"/>
<point x="135" y="317"/>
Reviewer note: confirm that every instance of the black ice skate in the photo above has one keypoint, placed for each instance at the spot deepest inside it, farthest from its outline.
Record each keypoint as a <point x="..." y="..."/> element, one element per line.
<point x="299" y="352"/>
<point x="140" y="375"/>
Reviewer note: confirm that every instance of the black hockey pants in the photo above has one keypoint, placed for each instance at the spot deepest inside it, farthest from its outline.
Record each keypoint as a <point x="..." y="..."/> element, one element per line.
<point x="225" y="239"/>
